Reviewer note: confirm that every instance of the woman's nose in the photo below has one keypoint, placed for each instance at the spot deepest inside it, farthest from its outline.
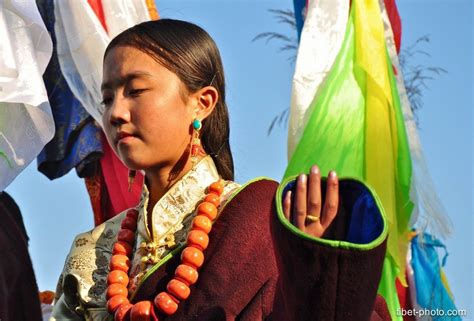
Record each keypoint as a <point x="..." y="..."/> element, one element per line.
<point x="119" y="112"/>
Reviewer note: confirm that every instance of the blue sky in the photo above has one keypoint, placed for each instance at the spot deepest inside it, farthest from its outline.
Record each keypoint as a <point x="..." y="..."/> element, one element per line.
<point x="258" y="87"/>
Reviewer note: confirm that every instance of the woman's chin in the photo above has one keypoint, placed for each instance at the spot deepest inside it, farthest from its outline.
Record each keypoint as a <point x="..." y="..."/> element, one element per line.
<point x="132" y="162"/>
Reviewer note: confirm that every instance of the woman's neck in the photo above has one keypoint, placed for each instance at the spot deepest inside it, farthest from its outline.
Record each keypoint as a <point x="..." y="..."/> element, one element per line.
<point x="160" y="180"/>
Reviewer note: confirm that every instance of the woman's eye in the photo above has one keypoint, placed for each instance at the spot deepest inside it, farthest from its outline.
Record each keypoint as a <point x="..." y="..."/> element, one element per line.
<point x="106" y="101"/>
<point x="135" y="92"/>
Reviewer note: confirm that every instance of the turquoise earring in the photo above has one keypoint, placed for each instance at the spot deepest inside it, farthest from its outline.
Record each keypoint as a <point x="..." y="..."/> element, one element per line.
<point x="197" y="124"/>
<point x="196" y="148"/>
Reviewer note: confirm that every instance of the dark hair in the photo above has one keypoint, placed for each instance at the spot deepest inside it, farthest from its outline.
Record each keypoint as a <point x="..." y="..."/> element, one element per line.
<point x="189" y="52"/>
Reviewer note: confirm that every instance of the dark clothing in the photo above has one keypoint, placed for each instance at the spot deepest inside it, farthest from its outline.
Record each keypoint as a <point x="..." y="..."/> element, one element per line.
<point x="19" y="299"/>
<point x="258" y="266"/>
<point x="258" y="269"/>
<point x="76" y="142"/>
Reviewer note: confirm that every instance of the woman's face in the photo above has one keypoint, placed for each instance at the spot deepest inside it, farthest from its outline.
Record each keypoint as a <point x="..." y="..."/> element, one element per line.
<point x="148" y="113"/>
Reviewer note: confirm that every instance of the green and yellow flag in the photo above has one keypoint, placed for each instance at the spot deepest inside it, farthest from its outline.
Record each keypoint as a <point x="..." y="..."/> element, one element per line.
<point x="355" y="126"/>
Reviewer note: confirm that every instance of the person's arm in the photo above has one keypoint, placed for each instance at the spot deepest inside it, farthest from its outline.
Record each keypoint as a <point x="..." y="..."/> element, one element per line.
<point x="330" y="272"/>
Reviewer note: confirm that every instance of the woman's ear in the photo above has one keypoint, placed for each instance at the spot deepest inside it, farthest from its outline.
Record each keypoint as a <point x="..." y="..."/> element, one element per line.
<point x="207" y="98"/>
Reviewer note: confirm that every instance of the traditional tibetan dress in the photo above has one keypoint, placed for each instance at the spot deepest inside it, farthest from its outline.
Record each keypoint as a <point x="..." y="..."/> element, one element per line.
<point x="258" y="266"/>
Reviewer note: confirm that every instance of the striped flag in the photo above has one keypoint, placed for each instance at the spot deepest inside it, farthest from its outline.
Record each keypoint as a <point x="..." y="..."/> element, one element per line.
<point x="355" y="126"/>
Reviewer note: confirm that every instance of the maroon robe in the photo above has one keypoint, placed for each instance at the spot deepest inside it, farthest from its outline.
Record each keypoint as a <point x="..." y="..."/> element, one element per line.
<point x="256" y="268"/>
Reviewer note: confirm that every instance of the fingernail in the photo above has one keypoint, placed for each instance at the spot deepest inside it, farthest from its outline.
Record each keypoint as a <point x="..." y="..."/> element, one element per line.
<point x="288" y="195"/>
<point x="332" y="174"/>
<point x="314" y="169"/>
<point x="302" y="178"/>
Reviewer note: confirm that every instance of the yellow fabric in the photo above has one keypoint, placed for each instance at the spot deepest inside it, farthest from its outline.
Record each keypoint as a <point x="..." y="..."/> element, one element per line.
<point x="381" y="136"/>
<point x="153" y="11"/>
<point x="445" y="282"/>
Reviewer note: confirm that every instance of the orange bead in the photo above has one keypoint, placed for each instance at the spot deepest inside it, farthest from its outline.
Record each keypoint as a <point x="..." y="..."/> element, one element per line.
<point x="187" y="274"/>
<point x="178" y="289"/>
<point x="198" y="239"/>
<point x="216" y="188"/>
<point x="192" y="256"/>
<point x="129" y="223"/>
<point x="212" y="198"/>
<point x="116" y="289"/>
<point x="132" y="213"/>
<point x="117" y="276"/>
<point x="126" y="235"/>
<point x="121" y="247"/>
<point x="114" y="302"/>
<point x="207" y="209"/>
<point x="119" y="262"/>
<point x="123" y="312"/>
<point x="141" y="311"/>
<point x="202" y="223"/>
<point x="166" y="303"/>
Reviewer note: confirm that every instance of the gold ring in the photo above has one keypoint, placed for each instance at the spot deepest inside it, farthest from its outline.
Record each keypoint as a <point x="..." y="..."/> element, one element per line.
<point x="312" y="218"/>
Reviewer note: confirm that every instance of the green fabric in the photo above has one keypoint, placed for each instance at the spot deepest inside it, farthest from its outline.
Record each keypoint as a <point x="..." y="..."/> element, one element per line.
<point x="5" y="157"/>
<point x="333" y="137"/>
<point x="2" y="127"/>
<point x="388" y="289"/>
<point x="350" y="106"/>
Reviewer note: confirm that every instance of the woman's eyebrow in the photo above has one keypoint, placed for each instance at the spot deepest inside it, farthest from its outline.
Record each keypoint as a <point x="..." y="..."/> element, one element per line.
<point x="120" y="81"/>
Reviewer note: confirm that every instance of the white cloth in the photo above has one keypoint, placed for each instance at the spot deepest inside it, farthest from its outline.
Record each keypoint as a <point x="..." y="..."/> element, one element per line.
<point x="81" y="43"/>
<point x="26" y="122"/>
<point x="321" y="39"/>
<point x="46" y="310"/>
<point x="411" y="282"/>
<point x="428" y="212"/>
<point x="121" y="15"/>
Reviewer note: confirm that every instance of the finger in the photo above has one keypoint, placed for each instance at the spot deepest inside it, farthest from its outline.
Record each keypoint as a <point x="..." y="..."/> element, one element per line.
<point x="299" y="207"/>
<point x="287" y="205"/>
<point x="314" y="192"/>
<point x="332" y="200"/>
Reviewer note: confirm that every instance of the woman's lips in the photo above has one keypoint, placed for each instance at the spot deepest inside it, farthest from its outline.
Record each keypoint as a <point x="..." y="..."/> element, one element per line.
<point x="124" y="138"/>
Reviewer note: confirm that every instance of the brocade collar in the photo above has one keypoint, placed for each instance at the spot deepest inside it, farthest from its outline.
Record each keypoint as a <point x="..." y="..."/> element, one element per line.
<point x="171" y="217"/>
<point x="178" y="202"/>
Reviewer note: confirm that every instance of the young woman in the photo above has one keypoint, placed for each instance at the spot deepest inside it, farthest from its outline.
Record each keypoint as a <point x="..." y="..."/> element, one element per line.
<point x="199" y="246"/>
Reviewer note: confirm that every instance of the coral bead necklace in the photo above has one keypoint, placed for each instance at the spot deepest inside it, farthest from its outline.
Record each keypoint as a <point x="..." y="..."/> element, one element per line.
<point x="186" y="274"/>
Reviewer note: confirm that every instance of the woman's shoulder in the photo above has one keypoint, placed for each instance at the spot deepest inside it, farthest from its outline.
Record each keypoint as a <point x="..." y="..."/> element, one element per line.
<point x="102" y="235"/>
<point x="86" y="265"/>
<point x="252" y="199"/>
<point x="261" y="188"/>
<point x="100" y="232"/>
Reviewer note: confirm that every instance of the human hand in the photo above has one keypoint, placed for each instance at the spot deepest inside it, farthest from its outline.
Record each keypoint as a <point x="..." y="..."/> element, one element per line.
<point x="305" y="210"/>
